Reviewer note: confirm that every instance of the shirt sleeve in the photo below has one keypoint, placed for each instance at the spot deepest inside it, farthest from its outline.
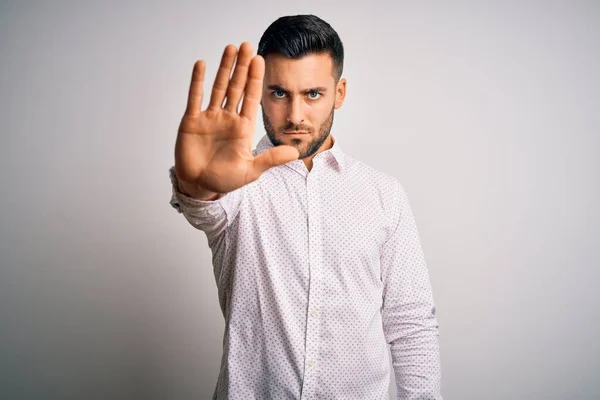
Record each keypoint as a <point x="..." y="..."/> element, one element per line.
<point x="408" y="313"/>
<point x="209" y="216"/>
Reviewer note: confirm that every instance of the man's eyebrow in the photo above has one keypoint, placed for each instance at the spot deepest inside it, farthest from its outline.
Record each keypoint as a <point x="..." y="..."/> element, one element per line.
<point x="314" y="89"/>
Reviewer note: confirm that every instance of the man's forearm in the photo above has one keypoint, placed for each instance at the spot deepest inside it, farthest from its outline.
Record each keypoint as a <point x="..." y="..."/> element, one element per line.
<point x="416" y="362"/>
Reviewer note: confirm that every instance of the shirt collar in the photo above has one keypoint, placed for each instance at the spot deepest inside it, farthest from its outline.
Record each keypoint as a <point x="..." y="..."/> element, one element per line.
<point x="335" y="152"/>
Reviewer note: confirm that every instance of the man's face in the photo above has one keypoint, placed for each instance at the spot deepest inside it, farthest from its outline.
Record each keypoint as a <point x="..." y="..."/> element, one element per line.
<point x="300" y="95"/>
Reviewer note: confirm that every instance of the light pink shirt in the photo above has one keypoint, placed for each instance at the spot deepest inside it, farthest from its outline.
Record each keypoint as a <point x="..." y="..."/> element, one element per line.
<point x="317" y="272"/>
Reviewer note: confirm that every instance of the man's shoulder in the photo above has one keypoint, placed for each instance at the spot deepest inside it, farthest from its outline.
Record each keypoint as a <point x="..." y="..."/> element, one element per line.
<point x="373" y="174"/>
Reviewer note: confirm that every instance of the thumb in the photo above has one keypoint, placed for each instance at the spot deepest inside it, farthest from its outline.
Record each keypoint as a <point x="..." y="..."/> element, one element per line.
<point x="271" y="158"/>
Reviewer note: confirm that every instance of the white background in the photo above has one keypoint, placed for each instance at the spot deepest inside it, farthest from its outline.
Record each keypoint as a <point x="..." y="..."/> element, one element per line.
<point x="487" y="112"/>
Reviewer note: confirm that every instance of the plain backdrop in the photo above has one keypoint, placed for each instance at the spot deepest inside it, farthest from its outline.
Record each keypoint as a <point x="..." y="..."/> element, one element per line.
<point x="487" y="112"/>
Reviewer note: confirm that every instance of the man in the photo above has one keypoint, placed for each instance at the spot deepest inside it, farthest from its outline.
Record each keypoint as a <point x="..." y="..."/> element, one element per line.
<point x="316" y="255"/>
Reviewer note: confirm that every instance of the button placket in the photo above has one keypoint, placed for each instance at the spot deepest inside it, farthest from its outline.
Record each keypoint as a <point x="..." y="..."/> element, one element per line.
<point x="314" y="296"/>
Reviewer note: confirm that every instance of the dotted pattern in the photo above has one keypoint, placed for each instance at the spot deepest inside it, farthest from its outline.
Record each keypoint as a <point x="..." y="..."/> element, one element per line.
<point x="317" y="272"/>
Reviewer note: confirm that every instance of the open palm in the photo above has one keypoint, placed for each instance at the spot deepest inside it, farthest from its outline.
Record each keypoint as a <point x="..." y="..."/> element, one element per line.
<point x="213" y="151"/>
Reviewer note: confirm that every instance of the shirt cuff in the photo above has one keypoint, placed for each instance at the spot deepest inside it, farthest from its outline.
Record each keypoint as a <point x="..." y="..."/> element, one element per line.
<point x="182" y="202"/>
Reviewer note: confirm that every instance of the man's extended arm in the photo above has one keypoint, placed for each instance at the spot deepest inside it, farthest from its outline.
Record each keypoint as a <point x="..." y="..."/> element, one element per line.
<point x="409" y="321"/>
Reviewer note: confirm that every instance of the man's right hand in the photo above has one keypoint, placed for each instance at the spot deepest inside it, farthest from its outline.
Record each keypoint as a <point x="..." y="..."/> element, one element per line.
<point x="213" y="151"/>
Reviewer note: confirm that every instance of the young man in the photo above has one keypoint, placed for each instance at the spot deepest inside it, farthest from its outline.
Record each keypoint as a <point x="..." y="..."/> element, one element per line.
<point x="316" y="255"/>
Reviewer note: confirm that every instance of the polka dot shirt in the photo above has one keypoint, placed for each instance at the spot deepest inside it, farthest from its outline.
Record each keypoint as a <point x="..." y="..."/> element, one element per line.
<point x="317" y="273"/>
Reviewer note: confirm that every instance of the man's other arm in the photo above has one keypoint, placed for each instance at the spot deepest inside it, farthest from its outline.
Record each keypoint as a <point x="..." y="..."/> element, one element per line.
<point x="408" y="313"/>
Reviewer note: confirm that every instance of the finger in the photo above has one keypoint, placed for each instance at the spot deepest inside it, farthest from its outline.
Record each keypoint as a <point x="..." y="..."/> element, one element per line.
<point x="271" y="158"/>
<point x="222" y="80"/>
<point x="254" y="86"/>
<point x="238" y="80"/>
<point x="196" y="91"/>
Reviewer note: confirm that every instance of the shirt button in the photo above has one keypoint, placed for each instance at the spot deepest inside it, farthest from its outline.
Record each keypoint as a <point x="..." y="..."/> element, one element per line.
<point x="311" y="363"/>
<point x="314" y="313"/>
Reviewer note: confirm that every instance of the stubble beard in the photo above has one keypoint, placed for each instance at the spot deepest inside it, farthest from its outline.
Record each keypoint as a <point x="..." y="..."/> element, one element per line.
<point x="313" y="146"/>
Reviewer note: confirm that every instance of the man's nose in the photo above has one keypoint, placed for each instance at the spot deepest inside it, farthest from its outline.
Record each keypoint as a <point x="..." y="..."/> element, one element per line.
<point x="296" y="111"/>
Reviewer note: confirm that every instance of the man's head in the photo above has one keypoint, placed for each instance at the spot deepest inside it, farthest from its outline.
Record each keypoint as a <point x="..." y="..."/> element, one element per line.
<point x="304" y="59"/>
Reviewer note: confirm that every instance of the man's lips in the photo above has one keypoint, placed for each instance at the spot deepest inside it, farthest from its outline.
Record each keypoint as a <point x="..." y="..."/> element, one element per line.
<point x="295" y="133"/>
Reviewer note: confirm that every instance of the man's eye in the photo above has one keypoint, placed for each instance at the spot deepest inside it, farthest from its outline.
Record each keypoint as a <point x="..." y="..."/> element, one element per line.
<point x="314" y="95"/>
<point x="279" y="94"/>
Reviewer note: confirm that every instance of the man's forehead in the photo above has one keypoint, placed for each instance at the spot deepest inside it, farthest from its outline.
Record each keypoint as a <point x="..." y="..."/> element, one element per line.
<point x="310" y="70"/>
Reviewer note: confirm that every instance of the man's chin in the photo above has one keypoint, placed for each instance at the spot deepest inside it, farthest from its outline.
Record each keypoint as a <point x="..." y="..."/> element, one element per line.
<point x="301" y="149"/>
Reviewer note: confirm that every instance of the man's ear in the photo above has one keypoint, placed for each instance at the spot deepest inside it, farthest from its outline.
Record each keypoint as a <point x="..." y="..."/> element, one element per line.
<point x="340" y="93"/>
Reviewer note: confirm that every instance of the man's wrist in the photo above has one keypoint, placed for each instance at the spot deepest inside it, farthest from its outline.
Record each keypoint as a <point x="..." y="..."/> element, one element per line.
<point x="195" y="192"/>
